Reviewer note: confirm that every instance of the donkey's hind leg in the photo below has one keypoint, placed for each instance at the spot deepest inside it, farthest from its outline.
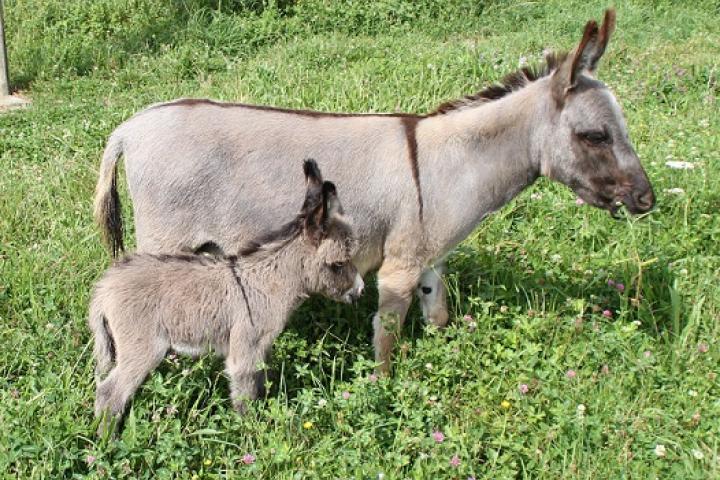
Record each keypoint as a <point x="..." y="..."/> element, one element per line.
<point x="396" y="282"/>
<point x="113" y="393"/>
<point x="432" y="293"/>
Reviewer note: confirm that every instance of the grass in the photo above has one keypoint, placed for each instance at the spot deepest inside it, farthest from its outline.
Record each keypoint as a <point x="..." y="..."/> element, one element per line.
<point x="532" y="279"/>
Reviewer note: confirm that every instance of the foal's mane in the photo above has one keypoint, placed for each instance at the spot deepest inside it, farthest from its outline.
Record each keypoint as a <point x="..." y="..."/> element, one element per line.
<point x="274" y="240"/>
<point x="512" y="82"/>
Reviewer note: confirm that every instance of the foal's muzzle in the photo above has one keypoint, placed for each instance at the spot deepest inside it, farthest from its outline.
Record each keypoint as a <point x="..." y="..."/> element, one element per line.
<point x="356" y="291"/>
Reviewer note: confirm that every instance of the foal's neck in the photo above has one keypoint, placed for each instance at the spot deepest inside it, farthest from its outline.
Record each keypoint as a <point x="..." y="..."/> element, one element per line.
<point x="275" y="274"/>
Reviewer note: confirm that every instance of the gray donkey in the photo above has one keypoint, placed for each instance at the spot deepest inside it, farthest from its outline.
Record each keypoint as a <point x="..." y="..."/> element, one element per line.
<point x="206" y="175"/>
<point x="146" y="305"/>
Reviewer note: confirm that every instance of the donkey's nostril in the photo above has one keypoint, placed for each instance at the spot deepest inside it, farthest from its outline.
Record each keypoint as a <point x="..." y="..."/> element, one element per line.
<point x="645" y="200"/>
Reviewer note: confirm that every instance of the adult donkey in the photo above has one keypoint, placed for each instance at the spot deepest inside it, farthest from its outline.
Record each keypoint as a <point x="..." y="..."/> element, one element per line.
<point x="206" y="175"/>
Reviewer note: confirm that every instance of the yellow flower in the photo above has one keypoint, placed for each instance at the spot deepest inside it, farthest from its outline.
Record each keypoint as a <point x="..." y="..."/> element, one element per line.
<point x="207" y="462"/>
<point x="505" y="404"/>
<point x="308" y="425"/>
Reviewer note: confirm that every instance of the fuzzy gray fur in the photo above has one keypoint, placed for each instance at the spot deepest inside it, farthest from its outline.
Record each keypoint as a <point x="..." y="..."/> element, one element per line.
<point x="146" y="305"/>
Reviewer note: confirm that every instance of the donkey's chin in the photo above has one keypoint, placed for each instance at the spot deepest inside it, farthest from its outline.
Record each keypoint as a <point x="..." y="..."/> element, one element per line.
<point x="599" y="201"/>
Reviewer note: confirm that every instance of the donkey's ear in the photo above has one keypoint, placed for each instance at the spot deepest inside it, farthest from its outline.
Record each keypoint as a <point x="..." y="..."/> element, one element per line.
<point x="586" y="56"/>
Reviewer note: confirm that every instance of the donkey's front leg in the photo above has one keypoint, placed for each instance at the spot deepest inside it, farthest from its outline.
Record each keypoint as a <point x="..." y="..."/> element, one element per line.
<point x="432" y="293"/>
<point x="396" y="283"/>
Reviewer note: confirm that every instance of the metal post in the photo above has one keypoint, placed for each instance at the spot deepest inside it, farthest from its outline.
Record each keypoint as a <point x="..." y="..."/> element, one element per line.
<point x="4" y="77"/>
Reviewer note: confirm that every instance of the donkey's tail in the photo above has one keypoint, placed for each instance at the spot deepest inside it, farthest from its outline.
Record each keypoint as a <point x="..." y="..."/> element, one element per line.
<point x="104" y="349"/>
<point x="108" y="213"/>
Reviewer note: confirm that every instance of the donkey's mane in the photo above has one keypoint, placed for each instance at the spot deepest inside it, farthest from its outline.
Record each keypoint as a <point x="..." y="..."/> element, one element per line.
<point x="512" y="82"/>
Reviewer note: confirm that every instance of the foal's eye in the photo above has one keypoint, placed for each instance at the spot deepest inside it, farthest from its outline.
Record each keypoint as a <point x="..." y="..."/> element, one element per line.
<point x="597" y="137"/>
<point x="337" y="266"/>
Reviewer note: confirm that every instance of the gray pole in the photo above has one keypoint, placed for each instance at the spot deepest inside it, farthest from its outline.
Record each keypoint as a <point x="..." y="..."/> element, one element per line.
<point x="4" y="82"/>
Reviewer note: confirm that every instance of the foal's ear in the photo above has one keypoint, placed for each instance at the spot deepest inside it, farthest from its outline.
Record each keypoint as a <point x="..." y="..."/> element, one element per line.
<point x="312" y="172"/>
<point x="586" y="56"/>
<point x="331" y="203"/>
<point x="319" y="220"/>
<point x="313" y="182"/>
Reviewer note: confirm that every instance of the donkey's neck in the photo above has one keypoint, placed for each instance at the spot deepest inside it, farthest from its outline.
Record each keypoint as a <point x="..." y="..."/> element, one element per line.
<point x="474" y="160"/>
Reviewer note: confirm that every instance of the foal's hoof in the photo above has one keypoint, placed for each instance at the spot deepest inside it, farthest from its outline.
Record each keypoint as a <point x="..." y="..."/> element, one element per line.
<point x="108" y="428"/>
<point x="240" y="406"/>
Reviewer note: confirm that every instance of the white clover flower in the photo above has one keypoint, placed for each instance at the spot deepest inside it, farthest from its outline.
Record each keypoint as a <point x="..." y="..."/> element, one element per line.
<point x="680" y="165"/>
<point x="660" y="450"/>
<point x="698" y="454"/>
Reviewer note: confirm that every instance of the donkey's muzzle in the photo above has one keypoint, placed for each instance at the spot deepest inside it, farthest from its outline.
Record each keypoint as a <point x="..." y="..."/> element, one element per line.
<point x="641" y="201"/>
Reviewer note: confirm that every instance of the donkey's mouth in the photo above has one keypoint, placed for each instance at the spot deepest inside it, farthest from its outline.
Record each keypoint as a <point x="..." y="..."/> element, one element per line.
<point x="599" y="200"/>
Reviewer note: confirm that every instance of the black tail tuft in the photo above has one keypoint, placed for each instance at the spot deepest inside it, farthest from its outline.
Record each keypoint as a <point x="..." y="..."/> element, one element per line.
<point x="113" y="219"/>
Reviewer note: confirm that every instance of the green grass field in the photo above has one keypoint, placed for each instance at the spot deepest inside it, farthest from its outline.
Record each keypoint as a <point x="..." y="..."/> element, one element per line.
<point x="528" y="288"/>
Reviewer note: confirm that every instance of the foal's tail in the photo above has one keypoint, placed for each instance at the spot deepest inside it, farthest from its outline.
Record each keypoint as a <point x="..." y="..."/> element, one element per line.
<point x="108" y="213"/>
<point x="104" y="350"/>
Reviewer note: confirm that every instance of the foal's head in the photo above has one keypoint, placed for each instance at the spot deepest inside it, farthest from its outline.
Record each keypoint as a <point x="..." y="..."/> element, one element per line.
<point x="586" y="141"/>
<point x="328" y="239"/>
<point x="322" y="241"/>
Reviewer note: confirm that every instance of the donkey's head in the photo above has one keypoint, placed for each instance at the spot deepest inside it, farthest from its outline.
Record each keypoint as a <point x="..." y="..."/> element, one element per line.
<point x="329" y="240"/>
<point x="586" y="144"/>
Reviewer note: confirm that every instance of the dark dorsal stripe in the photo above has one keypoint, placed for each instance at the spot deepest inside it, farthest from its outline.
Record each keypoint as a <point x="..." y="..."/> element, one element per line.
<point x="191" y="102"/>
<point x="410" y="126"/>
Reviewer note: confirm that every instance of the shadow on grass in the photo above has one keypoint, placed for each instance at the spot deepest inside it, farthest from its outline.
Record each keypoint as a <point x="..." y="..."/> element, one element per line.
<point x="475" y="278"/>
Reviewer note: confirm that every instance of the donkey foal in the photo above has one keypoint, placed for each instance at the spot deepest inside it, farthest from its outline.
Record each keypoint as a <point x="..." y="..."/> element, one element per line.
<point x="146" y="305"/>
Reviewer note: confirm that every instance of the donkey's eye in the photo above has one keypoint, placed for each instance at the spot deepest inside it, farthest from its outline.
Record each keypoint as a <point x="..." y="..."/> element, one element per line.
<point x="595" y="137"/>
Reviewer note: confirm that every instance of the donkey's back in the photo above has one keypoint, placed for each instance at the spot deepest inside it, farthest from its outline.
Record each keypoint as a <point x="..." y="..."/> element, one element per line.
<point x="202" y="172"/>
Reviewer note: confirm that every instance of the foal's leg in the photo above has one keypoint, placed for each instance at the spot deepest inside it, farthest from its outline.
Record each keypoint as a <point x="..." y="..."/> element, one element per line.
<point x="246" y="350"/>
<point x="396" y="283"/>
<point x="432" y="294"/>
<point x="131" y="368"/>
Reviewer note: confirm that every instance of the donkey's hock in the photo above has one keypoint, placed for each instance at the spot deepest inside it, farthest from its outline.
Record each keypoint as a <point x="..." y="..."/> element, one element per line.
<point x="146" y="305"/>
<point x="202" y="172"/>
